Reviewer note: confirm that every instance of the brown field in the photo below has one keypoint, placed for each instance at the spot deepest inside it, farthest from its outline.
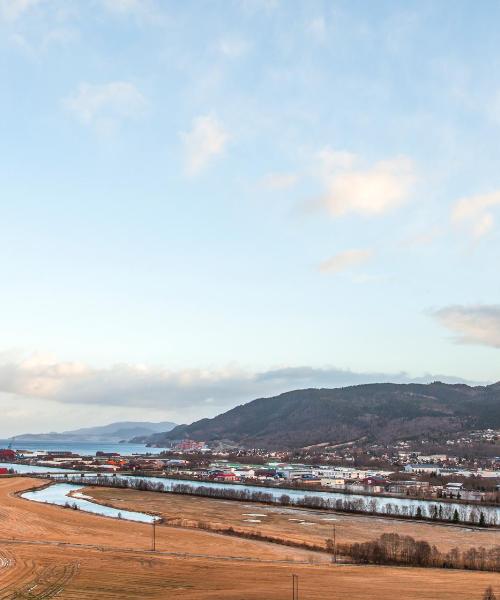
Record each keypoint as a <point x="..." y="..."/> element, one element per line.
<point x="48" y="552"/>
<point x="285" y="522"/>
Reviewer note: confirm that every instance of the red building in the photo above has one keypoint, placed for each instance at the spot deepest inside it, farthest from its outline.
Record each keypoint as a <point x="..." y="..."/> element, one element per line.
<point x="7" y="454"/>
<point x="4" y="471"/>
<point x="189" y="446"/>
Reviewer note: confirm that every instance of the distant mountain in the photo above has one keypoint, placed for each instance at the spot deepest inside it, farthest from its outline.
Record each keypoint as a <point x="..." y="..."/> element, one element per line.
<point x="113" y="433"/>
<point x="378" y="412"/>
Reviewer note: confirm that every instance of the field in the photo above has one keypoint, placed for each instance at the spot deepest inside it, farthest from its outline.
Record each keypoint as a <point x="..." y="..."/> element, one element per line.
<point x="48" y="552"/>
<point x="295" y="524"/>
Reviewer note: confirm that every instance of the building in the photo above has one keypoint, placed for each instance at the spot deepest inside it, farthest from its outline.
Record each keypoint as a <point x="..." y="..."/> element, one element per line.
<point x="371" y="485"/>
<point x="423" y="468"/>
<point x="224" y="476"/>
<point x="7" y="455"/>
<point x="338" y="483"/>
<point x="189" y="446"/>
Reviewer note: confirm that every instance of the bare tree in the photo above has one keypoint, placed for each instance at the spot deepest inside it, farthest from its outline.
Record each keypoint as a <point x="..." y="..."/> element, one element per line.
<point x="489" y="594"/>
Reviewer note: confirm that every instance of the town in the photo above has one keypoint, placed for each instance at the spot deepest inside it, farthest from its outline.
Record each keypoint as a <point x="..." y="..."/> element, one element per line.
<point x="398" y="471"/>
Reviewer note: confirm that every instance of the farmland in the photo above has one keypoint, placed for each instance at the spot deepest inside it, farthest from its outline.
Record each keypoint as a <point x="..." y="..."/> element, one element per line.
<point x="296" y="524"/>
<point x="48" y="551"/>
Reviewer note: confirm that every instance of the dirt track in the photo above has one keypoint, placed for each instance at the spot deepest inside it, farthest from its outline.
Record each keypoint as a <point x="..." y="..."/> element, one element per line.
<point x="48" y="552"/>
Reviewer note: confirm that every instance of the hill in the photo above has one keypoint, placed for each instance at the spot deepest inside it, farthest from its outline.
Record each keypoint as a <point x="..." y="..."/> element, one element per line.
<point x="115" y="432"/>
<point x="382" y="412"/>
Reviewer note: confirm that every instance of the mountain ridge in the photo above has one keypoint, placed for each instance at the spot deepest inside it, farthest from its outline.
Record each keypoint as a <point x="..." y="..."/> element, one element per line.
<point x="113" y="432"/>
<point x="382" y="412"/>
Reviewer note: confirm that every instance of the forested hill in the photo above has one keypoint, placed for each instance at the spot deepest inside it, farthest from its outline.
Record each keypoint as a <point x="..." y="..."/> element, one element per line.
<point x="381" y="412"/>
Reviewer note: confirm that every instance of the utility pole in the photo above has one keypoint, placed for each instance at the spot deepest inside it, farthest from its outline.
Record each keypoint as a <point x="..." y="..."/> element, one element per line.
<point x="295" y="587"/>
<point x="334" y="544"/>
<point x="153" y="541"/>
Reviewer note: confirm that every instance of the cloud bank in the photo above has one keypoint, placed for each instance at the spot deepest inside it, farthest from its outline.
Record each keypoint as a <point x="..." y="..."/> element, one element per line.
<point x="476" y="324"/>
<point x="178" y="392"/>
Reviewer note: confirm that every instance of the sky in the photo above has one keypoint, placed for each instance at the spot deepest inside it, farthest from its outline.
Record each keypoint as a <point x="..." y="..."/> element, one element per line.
<point x="202" y="203"/>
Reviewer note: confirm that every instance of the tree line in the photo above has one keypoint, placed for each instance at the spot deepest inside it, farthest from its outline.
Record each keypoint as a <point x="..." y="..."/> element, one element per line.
<point x="441" y="512"/>
<point x="395" y="549"/>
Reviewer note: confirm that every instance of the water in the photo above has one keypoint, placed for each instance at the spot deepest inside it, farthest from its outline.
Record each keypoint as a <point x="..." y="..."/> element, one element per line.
<point x="82" y="448"/>
<point x="58" y="494"/>
<point x="26" y="469"/>
<point x="375" y="504"/>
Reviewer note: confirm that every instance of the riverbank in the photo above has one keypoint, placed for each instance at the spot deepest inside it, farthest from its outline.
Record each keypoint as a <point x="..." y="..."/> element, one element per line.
<point x="399" y="508"/>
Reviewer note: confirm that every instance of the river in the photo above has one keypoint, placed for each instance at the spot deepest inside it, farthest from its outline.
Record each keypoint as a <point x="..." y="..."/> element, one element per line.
<point x="58" y="494"/>
<point x="377" y="504"/>
<point x="81" y="448"/>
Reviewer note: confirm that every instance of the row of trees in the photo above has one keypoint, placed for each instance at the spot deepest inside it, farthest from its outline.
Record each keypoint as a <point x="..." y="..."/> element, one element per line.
<point x="395" y="549"/>
<point x="440" y="511"/>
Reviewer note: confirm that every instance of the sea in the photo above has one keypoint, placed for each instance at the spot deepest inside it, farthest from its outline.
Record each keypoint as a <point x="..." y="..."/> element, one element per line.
<point x="82" y="448"/>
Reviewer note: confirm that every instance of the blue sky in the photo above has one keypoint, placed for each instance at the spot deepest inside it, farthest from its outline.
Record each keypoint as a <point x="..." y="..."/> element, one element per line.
<point x="206" y="202"/>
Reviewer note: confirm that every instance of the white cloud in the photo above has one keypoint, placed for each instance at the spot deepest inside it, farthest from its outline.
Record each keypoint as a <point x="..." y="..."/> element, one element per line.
<point x="104" y="106"/>
<point x="476" y="324"/>
<point x="181" y="393"/>
<point x="317" y="29"/>
<point x="346" y="260"/>
<point x="11" y="10"/>
<point x="475" y="214"/>
<point x="206" y="140"/>
<point x="233" y="47"/>
<point x="279" y="181"/>
<point x="368" y="192"/>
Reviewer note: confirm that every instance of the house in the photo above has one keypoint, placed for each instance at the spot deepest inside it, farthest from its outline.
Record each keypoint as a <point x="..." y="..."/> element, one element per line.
<point x="4" y="471"/>
<point x="7" y="454"/>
